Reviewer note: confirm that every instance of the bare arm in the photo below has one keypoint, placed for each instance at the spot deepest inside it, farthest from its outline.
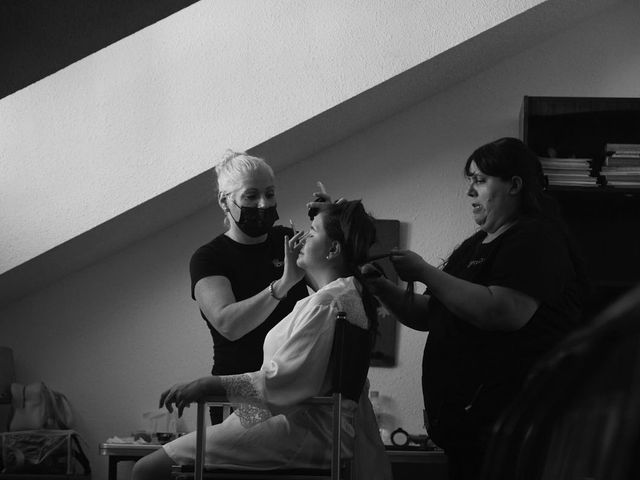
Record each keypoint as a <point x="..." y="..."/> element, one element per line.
<point x="486" y="307"/>
<point x="231" y="318"/>
<point x="234" y="319"/>
<point x="183" y="394"/>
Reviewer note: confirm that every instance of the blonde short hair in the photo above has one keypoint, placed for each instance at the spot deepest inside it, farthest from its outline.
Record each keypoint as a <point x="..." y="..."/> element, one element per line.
<point x="234" y="166"/>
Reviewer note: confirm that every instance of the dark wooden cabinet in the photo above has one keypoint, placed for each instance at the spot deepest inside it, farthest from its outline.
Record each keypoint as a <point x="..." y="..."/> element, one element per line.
<point x="604" y="220"/>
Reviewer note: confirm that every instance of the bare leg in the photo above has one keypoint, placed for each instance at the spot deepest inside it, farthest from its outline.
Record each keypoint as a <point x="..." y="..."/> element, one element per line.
<point x="155" y="466"/>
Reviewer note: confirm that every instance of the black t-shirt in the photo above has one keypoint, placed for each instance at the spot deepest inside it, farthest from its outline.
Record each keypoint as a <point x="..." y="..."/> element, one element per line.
<point x="249" y="269"/>
<point x="470" y="375"/>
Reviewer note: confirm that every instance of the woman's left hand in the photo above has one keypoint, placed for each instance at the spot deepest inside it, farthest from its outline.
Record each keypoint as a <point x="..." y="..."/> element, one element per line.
<point x="409" y="265"/>
<point x="321" y="199"/>
<point x="182" y="395"/>
<point x="373" y="276"/>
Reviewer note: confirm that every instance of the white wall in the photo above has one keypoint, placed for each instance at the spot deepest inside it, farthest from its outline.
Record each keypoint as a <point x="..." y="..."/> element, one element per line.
<point x="144" y="114"/>
<point x="115" y="334"/>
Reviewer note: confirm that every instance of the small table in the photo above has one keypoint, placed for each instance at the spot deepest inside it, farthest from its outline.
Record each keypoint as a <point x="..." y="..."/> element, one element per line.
<point x="119" y="452"/>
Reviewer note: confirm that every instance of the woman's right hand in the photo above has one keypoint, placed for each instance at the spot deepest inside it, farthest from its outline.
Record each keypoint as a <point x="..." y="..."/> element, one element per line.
<point x="409" y="265"/>
<point x="182" y="395"/>
<point x="292" y="273"/>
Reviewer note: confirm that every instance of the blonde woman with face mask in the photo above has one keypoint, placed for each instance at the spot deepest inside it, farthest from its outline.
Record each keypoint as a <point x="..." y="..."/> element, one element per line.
<point x="239" y="279"/>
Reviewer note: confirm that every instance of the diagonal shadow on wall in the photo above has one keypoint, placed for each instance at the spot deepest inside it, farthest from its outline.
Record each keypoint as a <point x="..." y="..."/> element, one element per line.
<point x="40" y="37"/>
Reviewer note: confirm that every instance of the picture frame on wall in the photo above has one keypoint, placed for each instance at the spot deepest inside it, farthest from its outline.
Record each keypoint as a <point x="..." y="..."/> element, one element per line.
<point x="385" y="350"/>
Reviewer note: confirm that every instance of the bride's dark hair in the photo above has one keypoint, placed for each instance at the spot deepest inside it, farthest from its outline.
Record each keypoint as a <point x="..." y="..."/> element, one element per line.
<point x="349" y="224"/>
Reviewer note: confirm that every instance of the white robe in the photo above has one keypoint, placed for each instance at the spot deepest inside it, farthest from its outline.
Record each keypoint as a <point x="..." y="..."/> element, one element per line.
<point x="270" y="429"/>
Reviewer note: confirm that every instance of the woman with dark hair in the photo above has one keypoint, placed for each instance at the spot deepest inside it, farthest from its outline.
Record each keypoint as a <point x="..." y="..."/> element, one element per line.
<point x="507" y="294"/>
<point x="271" y="428"/>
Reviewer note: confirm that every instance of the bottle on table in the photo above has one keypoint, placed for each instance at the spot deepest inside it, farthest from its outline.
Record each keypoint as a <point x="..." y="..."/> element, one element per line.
<point x="378" y="410"/>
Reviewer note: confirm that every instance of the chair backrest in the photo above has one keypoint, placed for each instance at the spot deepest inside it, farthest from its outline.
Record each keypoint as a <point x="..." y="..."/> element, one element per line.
<point x="349" y="359"/>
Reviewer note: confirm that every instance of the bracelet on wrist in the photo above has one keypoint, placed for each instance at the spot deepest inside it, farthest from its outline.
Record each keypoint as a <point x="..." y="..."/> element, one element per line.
<point x="273" y="293"/>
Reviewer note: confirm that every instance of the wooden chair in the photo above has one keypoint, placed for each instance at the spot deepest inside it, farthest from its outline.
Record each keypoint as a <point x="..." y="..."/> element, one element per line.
<point x="349" y="363"/>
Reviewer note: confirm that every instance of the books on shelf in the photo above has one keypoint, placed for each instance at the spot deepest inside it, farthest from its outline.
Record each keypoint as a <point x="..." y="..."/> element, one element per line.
<point x="620" y="173"/>
<point x="616" y="170"/>
<point x="611" y="161"/>
<point x="571" y="163"/>
<point x="622" y="148"/>
<point x="622" y="154"/>
<point x="626" y="178"/>
<point x="621" y="166"/>
<point x="623" y="184"/>
<point x="575" y="172"/>
<point x="620" y="169"/>
<point x="572" y="182"/>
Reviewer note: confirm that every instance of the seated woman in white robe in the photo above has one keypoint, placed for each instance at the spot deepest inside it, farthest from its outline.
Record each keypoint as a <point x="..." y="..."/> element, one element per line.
<point x="271" y="428"/>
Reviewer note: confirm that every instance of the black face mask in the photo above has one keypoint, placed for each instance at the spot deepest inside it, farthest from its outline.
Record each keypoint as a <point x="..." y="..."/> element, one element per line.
<point x="255" y="221"/>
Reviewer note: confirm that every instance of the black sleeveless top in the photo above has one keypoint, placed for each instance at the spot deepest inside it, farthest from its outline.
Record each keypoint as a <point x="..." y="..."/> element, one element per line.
<point x="249" y="269"/>
<point x="470" y="375"/>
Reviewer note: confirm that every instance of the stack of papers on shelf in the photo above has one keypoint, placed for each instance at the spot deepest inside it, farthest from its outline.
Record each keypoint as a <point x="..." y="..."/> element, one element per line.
<point x="574" y="172"/>
<point x="622" y="165"/>
<point x="622" y="149"/>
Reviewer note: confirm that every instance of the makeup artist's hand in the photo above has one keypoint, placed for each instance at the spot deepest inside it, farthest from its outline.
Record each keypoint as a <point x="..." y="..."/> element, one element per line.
<point x="409" y="265"/>
<point x="322" y="198"/>
<point x="292" y="274"/>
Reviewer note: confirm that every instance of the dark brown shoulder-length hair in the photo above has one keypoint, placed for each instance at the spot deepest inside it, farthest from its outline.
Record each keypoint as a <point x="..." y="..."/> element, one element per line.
<point x="349" y="224"/>
<point x="506" y="158"/>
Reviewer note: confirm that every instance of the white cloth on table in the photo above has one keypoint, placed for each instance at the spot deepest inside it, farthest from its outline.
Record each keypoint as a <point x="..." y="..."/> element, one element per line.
<point x="270" y="429"/>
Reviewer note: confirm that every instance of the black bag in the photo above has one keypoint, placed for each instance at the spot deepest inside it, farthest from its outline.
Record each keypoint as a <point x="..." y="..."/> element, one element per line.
<point x="43" y="451"/>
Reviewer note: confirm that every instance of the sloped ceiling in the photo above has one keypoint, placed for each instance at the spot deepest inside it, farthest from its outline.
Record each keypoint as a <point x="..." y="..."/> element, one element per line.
<point x="370" y="106"/>
<point x="40" y="37"/>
